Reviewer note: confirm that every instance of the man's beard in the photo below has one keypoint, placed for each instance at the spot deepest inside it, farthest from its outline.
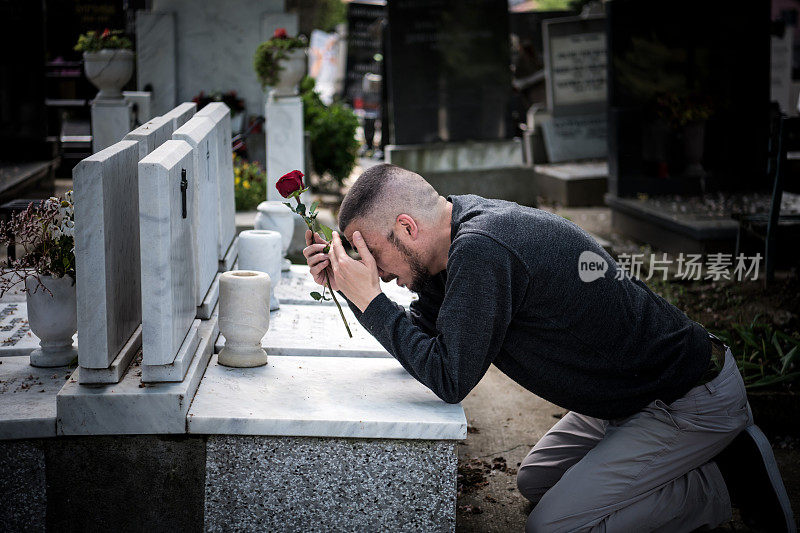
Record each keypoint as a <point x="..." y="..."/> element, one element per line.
<point x="419" y="274"/>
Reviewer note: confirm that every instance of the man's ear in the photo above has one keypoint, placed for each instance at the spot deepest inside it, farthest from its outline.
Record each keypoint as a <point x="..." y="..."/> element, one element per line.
<point x="407" y="225"/>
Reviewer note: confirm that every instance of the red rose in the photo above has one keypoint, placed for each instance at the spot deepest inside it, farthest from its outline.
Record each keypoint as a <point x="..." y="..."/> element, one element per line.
<point x="106" y="34"/>
<point x="280" y="33"/>
<point x="293" y="181"/>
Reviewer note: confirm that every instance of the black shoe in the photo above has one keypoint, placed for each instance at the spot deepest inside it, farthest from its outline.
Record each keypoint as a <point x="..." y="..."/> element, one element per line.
<point x="754" y="482"/>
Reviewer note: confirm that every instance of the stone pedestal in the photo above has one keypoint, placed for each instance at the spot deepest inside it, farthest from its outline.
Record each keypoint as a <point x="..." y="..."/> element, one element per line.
<point x="285" y="146"/>
<point x="111" y="121"/>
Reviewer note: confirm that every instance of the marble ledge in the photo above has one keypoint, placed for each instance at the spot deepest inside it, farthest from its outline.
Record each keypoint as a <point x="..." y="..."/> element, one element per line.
<point x="308" y="330"/>
<point x="131" y="406"/>
<point x="296" y="285"/>
<point x="370" y="398"/>
<point x="28" y="398"/>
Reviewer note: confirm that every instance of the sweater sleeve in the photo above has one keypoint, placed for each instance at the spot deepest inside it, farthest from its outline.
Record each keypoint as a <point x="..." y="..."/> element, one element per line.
<point x="485" y="285"/>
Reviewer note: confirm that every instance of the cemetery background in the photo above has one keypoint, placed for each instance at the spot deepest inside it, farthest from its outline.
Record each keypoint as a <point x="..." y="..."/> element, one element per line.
<point x="487" y="155"/>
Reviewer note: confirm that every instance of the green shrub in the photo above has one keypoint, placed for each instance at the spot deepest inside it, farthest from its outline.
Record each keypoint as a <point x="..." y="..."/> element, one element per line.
<point x="249" y="184"/>
<point x="332" y="130"/>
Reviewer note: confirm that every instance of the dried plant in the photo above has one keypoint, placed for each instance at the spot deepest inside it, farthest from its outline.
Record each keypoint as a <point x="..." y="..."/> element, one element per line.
<point x="45" y="231"/>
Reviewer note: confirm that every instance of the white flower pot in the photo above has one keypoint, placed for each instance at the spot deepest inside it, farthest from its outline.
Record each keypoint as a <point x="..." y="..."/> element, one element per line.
<point x="54" y="319"/>
<point x="275" y="216"/>
<point x="109" y="71"/>
<point x="260" y="250"/>
<point x="243" y="317"/>
<point x="294" y="68"/>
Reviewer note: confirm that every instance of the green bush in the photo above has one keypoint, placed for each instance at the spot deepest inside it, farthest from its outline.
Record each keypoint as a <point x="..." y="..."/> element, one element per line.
<point x="249" y="184"/>
<point x="332" y="130"/>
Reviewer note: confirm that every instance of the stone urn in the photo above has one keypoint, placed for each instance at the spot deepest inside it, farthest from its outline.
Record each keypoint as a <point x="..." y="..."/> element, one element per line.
<point x="273" y="215"/>
<point x="293" y="70"/>
<point x="260" y="250"/>
<point x="53" y="317"/>
<point x="108" y="70"/>
<point x="243" y="317"/>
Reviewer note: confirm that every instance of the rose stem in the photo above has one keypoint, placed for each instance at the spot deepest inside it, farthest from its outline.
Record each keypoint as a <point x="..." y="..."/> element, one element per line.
<point x="333" y="295"/>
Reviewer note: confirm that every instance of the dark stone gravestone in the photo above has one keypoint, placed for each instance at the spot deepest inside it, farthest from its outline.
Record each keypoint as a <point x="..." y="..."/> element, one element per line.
<point x="22" y="57"/>
<point x="575" y="71"/>
<point x="449" y="75"/>
<point x="689" y="87"/>
<point x="365" y="22"/>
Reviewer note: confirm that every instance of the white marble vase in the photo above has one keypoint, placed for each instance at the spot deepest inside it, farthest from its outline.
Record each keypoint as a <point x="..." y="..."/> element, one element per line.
<point x="243" y="317"/>
<point x="54" y="319"/>
<point x="260" y="250"/>
<point x="273" y="215"/>
<point x="293" y="70"/>
<point x="109" y="71"/>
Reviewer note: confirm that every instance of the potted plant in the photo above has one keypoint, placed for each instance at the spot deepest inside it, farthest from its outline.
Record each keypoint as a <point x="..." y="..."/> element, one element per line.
<point x="46" y="268"/>
<point x="107" y="60"/>
<point x="280" y="63"/>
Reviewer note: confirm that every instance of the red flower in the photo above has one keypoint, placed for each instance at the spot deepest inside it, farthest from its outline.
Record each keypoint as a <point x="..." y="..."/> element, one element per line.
<point x="106" y="34"/>
<point x="289" y="183"/>
<point x="280" y="33"/>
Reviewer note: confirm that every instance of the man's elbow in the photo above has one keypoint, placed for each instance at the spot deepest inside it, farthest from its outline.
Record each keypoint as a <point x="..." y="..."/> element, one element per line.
<point x="452" y="396"/>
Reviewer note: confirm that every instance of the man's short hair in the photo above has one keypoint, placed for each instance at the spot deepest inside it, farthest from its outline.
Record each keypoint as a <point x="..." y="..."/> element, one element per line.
<point x="383" y="188"/>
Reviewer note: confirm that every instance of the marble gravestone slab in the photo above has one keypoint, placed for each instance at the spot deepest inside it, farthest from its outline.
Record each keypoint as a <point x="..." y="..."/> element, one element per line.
<point x="107" y="259"/>
<point x="28" y="398"/>
<point x="180" y="114"/>
<point x="574" y="137"/>
<point x="310" y="331"/>
<point x="168" y="267"/>
<point x="199" y="133"/>
<point x="16" y="337"/>
<point x="156" y="55"/>
<point x="220" y="115"/>
<point x="151" y="135"/>
<point x="322" y="397"/>
<point x="285" y="142"/>
<point x="296" y="285"/>
<point x="131" y="406"/>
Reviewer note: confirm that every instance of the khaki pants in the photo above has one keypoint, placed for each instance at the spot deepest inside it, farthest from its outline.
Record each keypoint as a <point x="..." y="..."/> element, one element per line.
<point x="647" y="472"/>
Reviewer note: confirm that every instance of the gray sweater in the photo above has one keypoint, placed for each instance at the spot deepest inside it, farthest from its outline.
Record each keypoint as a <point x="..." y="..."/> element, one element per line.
<point x="511" y="295"/>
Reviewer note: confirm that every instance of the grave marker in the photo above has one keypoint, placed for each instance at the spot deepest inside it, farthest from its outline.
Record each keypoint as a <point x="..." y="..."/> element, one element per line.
<point x="167" y="194"/>
<point x="575" y="74"/>
<point x="220" y="114"/>
<point x="199" y="133"/>
<point x="107" y="261"/>
<point x="181" y="114"/>
<point x="151" y="134"/>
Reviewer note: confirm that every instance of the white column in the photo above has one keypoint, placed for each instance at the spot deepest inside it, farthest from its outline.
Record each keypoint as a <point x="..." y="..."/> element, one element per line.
<point x="285" y="147"/>
<point x="111" y="121"/>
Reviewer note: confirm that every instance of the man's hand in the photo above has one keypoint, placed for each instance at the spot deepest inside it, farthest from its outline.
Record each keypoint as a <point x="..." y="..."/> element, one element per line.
<point x="318" y="260"/>
<point x="358" y="280"/>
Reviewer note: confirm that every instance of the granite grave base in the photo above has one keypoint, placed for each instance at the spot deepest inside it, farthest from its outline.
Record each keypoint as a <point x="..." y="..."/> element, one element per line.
<point x="577" y="184"/>
<point x="257" y="483"/>
<point x="673" y="234"/>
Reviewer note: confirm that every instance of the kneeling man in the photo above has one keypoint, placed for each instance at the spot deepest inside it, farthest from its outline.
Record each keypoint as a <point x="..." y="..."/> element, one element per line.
<point x="653" y="398"/>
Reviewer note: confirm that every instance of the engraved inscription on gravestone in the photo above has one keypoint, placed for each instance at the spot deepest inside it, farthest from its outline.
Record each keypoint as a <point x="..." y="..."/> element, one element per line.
<point x="578" y="68"/>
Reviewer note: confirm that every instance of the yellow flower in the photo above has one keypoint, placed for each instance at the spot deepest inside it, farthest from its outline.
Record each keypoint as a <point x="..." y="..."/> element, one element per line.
<point x="237" y="181"/>
<point x="246" y="184"/>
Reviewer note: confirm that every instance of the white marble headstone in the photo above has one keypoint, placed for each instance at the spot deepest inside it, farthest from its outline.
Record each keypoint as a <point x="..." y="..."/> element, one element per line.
<point x="221" y="116"/>
<point x="285" y="143"/>
<point x="181" y="114"/>
<point x="199" y="133"/>
<point x="168" y="280"/>
<point x="151" y="135"/>
<point x="107" y="252"/>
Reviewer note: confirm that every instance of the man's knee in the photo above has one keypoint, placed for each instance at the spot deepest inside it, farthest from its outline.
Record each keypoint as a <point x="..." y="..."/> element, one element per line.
<point x="531" y="482"/>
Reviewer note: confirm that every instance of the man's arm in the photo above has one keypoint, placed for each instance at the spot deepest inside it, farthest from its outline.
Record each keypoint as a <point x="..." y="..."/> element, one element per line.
<point x="485" y="286"/>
